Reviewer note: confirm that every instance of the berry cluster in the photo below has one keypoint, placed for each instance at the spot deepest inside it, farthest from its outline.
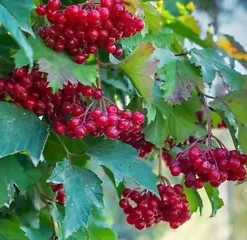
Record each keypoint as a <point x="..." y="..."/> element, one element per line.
<point x="68" y="111"/>
<point x="144" y="209"/>
<point x="83" y="28"/>
<point x="214" y="166"/>
<point x="59" y="190"/>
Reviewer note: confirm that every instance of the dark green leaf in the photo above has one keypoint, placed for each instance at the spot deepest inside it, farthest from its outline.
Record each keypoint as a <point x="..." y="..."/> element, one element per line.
<point x="181" y="29"/>
<point x="21" y="130"/>
<point x="112" y="154"/>
<point x="6" y="44"/>
<point x="179" y="119"/>
<point x="180" y="80"/>
<point x="14" y="15"/>
<point x="215" y="200"/>
<point x="18" y="170"/>
<point x="11" y="231"/>
<point x="236" y="103"/>
<point x="211" y="63"/>
<point x="97" y="227"/>
<point x="156" y="132"/>
<point x="44" y="229"/>
<point x="59" y="66"/>
<point x="82" y="188"/>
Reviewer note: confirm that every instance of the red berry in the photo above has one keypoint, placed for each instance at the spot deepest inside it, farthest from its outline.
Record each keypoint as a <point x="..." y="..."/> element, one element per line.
<point x="97" y="93"/>
<point x="41" y="10"/>
<point x="59" y="128"/>
<point x="80" y="132"/>
<point x="53" y="5"/>
<point x="123" y="203"/>
<point x="106" y="3"/>
<point x="140" y="224"/>
<point x="104" y="13"/>
<point x="74" y="123"/>
<point x="138" y="118"/>
<point x="112" y="132"/>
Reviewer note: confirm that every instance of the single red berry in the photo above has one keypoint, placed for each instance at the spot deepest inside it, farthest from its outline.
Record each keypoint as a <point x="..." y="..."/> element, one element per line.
<point x="97" y="93"/>
<point x="140" y="224"/>
<point x="112" y="109"/>
<point x="138" y="118"/>
<point x="73" y="123"/>
<point x="59" y="128"/>
<point x="106" y="3"/>
<point x="80" y="132"/>
<point x="41" y="10"/>
<point x="53" y="5"/>
<point x="112" y="132"/>
<point x="123" y="203"/>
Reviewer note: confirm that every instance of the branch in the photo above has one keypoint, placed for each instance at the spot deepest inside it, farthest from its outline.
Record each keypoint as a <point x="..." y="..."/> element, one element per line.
<point x="181" y="54"/>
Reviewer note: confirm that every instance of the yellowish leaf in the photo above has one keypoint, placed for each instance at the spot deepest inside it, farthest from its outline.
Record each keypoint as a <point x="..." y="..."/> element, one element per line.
<point x="191" y="6"/>
<point x="224" y="43"/>
<point x="132" y="5"/>
<point x="140" y="69"/>
<point x="190" y="22"/>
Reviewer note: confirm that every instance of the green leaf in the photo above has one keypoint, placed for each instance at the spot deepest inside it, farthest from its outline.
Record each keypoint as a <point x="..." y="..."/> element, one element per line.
<point x="155" y="132"/>
<point x="18" y="170"/>
<point x="112" y="154"/>
<point x="236" y="103"/>
<point x="128" y="44"/>
<point x="21" y="130"/>
<point x="164" y="38"/>
<point x="179" y="119"/>
<point x="194" y="199"/>
<point x="152" y="17"/>
<point x="81" y="234"/>
<point x="82" y="188"/>
<point x="215" y="200"/>
<point x="140" y="69"/>
<point x="183" y="30"/>
<point x="211" y="63"/>
<point x="97" y="227"/>
<point x="44" y="229"/>
<point x="6" y="44"/>
<point x="14" y="15"/>
<point x="172" y="6"/>
<point x="59" y="66"/>
<point x="180" y="80"/>
<point x="11" y="231"/>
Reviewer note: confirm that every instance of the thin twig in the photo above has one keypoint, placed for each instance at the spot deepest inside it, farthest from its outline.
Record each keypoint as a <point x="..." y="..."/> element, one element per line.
<point x="209" y="120"/>
<point x="181" y="54"/>
<point x="160" y="162"/>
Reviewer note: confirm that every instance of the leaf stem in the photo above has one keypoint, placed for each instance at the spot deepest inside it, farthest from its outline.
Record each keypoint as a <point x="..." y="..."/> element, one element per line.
<point x="44" y="197"/>
<point x="65" y="148"/>
<point x="209" y="120"/>
<point x="160" y="162"/>
<point x="98" y="70"/>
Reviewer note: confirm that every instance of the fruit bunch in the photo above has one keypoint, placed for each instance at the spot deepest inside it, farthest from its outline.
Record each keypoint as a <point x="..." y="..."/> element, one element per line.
<point x="144" y="209"/>
<point x="214" y="166"/>
<point x="58" y="189"/>
<point x="82" y="29"/>
<point x="70" y="111"/>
